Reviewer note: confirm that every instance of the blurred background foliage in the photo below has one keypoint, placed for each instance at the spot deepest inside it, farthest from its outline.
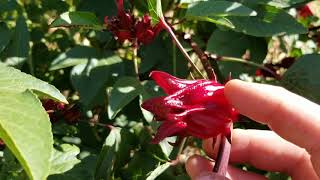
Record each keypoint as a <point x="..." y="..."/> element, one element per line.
<point x="108" y="135"/>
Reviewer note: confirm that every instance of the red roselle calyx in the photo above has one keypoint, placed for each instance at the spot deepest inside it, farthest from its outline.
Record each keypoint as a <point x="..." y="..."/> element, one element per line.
<point x="125" y="27"/>
<point x="56" y="111"/>
<point x="192" y="108"/>
<point x="305" y="11"/>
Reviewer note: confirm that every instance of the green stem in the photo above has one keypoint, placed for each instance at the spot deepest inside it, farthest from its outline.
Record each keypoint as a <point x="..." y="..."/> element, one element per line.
<point x="135" y="59"/>
<point x="181" y="146"/>
<point x="30" y="62"/>
<point x="174" y="60"/>
<point x="233" y="59"/>
<point x="218" y="72"/>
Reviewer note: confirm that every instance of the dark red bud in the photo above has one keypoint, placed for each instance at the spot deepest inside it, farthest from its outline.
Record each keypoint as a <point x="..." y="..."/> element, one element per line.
<point x="305" y="11"/>
<point x="72" y="115"/>
<point x="60" y="106"/>
<point x="49" y="104"/>
<point x="2" y="145"/>
<point x="123" y="35"/>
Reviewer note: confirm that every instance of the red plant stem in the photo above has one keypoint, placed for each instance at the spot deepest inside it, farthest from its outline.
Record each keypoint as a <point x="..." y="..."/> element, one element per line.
<point x="222" y="160"/>
<point x="204" y="60"/>
<point x="179" y="45"/>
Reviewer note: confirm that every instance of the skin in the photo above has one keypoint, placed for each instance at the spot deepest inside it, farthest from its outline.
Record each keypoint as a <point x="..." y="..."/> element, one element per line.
<point x="292" y="147"/>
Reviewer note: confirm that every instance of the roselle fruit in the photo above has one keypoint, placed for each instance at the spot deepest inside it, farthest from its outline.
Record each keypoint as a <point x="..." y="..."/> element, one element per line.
<point x="125" y="26"/>
<point x="145" y="32"/>
<point x="121" y="25"/>
<point x="305" y="11"/>
<point x="192" y="108"/>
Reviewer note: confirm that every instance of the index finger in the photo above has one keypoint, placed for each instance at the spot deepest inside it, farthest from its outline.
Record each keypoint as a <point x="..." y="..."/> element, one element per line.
<point x="294" y="118"/>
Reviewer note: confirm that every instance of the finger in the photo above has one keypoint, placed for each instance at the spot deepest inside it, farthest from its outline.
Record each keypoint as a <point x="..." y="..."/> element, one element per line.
<point x="291" y="116"/>
<point x="268" y="151"/>
<point x="198" y="165"/>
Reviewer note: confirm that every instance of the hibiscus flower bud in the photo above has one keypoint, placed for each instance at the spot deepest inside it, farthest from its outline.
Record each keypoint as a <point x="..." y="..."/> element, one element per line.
<point x="121" y="25"/>
<point x="192" y="108"/>
<point x="125" y="27"/>
<point x="305" y="11"/>
<point x="72" y="115"/>
<point x="145" y="33"/>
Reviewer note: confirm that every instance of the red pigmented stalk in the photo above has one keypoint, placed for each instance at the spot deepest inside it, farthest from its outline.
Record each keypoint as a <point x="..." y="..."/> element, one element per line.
<point x="120" y="7"/>
<point x="222" y="160"/>
<point x="205" y="61"/>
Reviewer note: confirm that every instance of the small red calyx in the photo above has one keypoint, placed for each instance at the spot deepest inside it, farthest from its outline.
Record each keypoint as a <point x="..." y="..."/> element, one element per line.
<point x="125" y="27"/>
<point x="305" y="11"/>
<point x="52" y="108"/>
<point x="2" y="145"/>
<point x="145" y="33"/>
<point x="192" y="108"/>
<point x="71" y="114"/>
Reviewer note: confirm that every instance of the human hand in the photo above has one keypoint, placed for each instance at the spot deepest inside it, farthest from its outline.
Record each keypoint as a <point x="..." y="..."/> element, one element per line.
<point x="293" y="147"/>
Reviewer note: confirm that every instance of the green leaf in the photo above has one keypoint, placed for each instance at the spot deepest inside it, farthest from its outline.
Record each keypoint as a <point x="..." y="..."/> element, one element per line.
<point x="233" y="44"/>
<point x="151" y="89"/>
<point x="78" y="19"/>
<point x="5" y="35"/>
<point x="160" y="55"/>
<point x="141" y="164"/>
<point x="64" y="158"/>
<point x="205" y="9"/>
<point x="91" y="79"/>
<point x="18" y="49"/>
<point x="14" y="81"/>
<point x="303" y="77"/>
<point x="81" y="171"/>
<point x="26" y="129"/>
<point x="124" y="91"/>
<point x="7" y="5"/>
<point x="128" y="143"/>
<point x="235" y="68"/>
<point x="155" y="11"/>
<point x="152" y="6"/>
<point x="270" y="21"/>
<point x="159" y="9"/>
<point x="275" y="3"/>
<point x="158" y="171"/>
<point x="100" y="8"/>
<point x="166" y="147"/>
<point x="186" y="3"/>
<point x="75" y="56"/>
<point x="107" y="155"/>
<point x="11" y="168"/>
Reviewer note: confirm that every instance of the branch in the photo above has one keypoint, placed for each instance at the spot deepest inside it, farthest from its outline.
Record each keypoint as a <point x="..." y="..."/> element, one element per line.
<point x="222" y="161"/>
<point x="233" y="59"/>
<point x="204" y="60"/>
